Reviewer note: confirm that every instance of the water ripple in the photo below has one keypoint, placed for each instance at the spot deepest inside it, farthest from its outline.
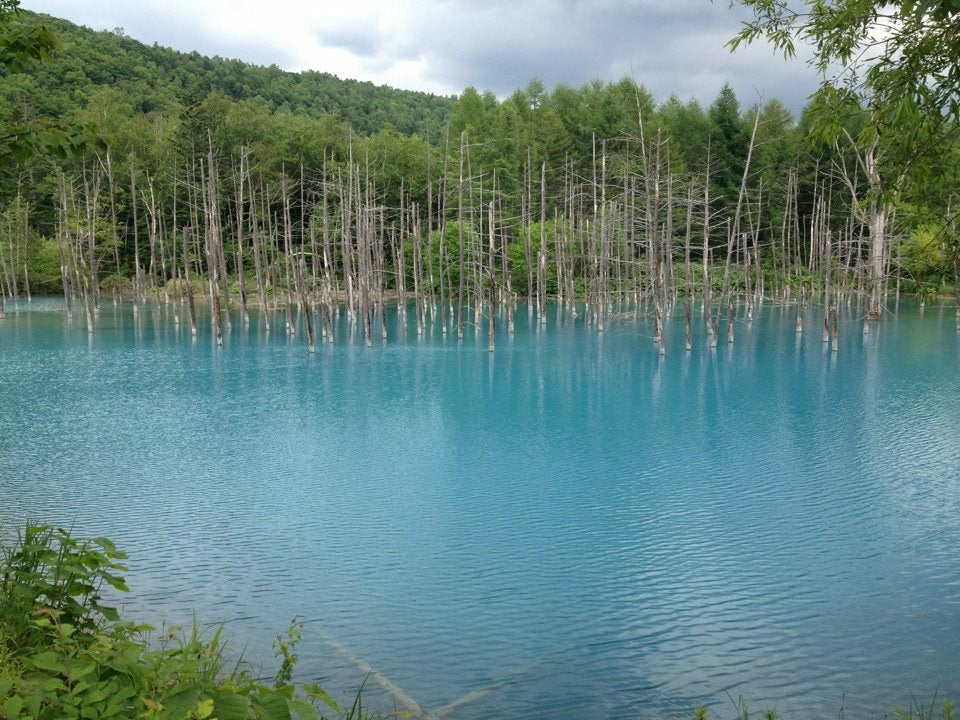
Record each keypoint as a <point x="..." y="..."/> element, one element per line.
<point x="571" y="526"/>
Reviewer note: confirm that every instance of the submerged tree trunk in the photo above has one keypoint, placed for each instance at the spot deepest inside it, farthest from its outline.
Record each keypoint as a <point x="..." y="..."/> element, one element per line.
<point x="877" y="224"/>
<point x="138" y="290"/>
<point x="874" y="213"/>
<point x="460" y="240"/>
<point x="240" y="215"/>
<point x="705" y="290"/>
<point x="257" y="259"/>
<point x="877" y="260"/>
<point x="63" y="242"/>
<point x="91" y="188"/>
<point x="542" y="255"/>
<point x="186" y="277"/>
<point x="492" y="309"/>
<point x="835" y="333"/>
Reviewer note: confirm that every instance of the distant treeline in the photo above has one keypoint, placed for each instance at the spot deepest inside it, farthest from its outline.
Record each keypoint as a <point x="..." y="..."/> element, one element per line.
<point x="607" y="188"/>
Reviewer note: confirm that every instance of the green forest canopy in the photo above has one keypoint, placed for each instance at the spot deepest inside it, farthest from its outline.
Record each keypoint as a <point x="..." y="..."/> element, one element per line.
<point x="156" y="110"/>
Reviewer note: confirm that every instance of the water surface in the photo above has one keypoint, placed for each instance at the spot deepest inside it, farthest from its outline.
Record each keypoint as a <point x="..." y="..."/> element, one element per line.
<point x="573" y="525"/>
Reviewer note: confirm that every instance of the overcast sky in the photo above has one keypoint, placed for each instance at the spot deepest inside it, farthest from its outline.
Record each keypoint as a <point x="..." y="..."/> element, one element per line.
<point x="443" y="46"/>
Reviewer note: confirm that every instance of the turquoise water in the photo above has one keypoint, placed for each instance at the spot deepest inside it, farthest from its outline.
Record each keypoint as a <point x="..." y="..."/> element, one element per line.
<point x="572" y="526"/>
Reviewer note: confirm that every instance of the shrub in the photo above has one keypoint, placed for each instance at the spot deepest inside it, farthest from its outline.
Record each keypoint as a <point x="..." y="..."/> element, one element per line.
<point x="64" y="654"/>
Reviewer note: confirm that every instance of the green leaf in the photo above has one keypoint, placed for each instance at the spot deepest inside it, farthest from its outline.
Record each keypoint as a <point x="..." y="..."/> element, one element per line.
<point x="318" y="693"/>
<point x="106" y="544"/>
<point x="113" y="709"/>
<point x="98" y="693"/>
<point x="115" y="582"/>
<point x="303" y="709"/>
<point x="109" y="613"/>
<point x="204" y="709"/>
<point x="66" y="630"/>
<point x="179" y="705"/>
<point x="82" y="669"/>
<point x="52" y="685"/>
<point x="230" y="706"/>
<point x="13" y="706"/>
<point x="285" y="690"/>
<point x="49" y="661"/>
<point x="122" y="693"/>
<point x="275" y="707"/>
<point x="32" y="702"/>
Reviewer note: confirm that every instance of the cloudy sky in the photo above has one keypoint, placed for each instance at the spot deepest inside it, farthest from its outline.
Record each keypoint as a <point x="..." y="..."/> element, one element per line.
<point x="443" y="46"/>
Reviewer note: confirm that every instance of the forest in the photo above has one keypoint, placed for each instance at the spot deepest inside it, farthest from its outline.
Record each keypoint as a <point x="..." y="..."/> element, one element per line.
<point x="155" y="173"/>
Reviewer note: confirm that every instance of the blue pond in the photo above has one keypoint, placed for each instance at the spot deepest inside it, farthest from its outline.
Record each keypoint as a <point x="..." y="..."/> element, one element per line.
<point x="572" y="526"/>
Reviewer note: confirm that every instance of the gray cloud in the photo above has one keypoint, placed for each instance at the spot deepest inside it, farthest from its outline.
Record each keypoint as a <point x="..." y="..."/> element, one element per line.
<point x="670" y="46"/>
<point x="186" y="32"/>
<point x="680" y="50"/>
<point x="361" y="42"/>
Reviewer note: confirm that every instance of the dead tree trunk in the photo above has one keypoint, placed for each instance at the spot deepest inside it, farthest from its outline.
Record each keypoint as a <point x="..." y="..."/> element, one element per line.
<point x="877" y="223"/>
<point x="240" y="217"/>
<point x="108" y="169"/>
<point x="138" y="289"/>
<point x="874" y="213"/>
<point x="331" y="289"/>
<point x="346" y="240"/>
<point x="707" y="302"/>
<point x="92" y="195"/>
<point x="217" y="231"/>
<point x="542" y="255"/>
<point x="463" y="278"/>
<point x="186" y="277"/>
<point x="289" y="272"/>
<point x="257" y="259"/>
<point x="688" y="279"/>
<point x="492" y="309"/>
<point x="211" y="242"/>
<point x="526" y="222"/>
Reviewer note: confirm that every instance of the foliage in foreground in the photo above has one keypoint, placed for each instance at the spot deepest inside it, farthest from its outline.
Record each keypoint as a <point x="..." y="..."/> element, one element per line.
<point x="915" y="711"/>
<point x="64" y="654"/>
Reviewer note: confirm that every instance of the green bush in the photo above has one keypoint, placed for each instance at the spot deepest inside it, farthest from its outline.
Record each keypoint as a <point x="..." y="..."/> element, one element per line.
<point x="921" y="255"/>
<point x="64" y="654"/>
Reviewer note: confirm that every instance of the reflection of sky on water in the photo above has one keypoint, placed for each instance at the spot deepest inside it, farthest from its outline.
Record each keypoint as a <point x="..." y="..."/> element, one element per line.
<point x="572" y="525"/>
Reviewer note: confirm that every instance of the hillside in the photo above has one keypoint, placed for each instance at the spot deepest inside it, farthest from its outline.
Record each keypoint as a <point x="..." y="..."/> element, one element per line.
<point x="155" y="78"/>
